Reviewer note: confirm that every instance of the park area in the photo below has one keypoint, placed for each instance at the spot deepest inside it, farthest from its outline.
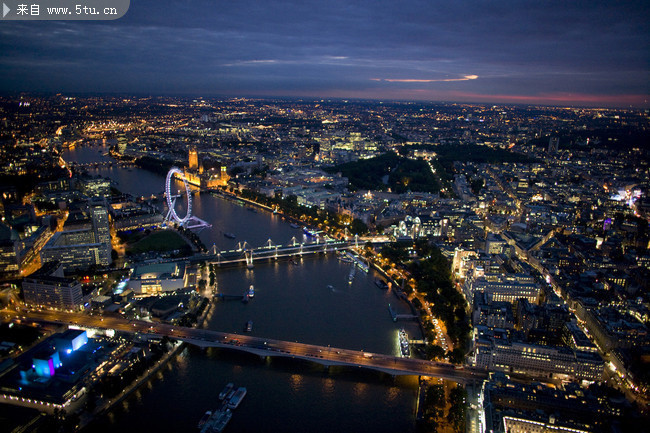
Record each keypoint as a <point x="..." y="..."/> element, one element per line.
<point x="161" y="241"/>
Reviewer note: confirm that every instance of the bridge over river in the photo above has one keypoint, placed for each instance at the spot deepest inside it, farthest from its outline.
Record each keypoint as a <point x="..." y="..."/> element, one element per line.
<point x="272" y="252"/>
<point x="266" y="347"/>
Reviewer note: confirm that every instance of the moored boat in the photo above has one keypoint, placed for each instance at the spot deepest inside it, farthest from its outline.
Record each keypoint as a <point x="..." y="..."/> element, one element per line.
<point x="405" y="350"/>
<point x="381" y="284"/>
<point x="236" y="399"/>
<point x="345" y="259"/>
<point x="363" y="266"/>
<point x="226" y="390"/>
<point x="205" y="418"/>
<point x="222" y="420"/>
<point x="310" y="232"/>
<point x="217" y="421"/>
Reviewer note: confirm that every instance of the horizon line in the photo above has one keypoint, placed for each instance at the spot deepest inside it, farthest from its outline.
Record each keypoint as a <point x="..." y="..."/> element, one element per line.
<point x="312" y="98"/>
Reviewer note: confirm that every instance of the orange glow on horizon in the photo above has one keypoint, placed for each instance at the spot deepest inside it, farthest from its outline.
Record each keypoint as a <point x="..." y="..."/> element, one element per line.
<point x="413" y="80"/>
<point x="433" y="95"/>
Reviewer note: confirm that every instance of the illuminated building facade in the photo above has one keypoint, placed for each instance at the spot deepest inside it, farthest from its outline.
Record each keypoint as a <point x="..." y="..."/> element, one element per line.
<point x="508" y="406"/>
<point x="81" y="248"/>
<point x="48" y="287"/>
<point x="502" y="288"/>
<point x="51" y="376"/>
<point x="157" y="278"/>
<point x="45" y="363"/>
<point x="538" y="360"/>
<point x="75" y="249"/>
<point x="197" y="176"/>
<point x="9" y="250"/>
<point x="193" y="163"/>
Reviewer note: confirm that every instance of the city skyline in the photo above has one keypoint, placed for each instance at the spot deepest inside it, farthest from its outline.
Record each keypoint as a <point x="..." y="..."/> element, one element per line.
<point x="420" y="216"/>
<point x="546" y="54"/>
<point x="446" y="245"/>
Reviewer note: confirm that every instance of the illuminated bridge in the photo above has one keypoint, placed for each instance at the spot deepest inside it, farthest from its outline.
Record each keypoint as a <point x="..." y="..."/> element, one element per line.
<point x="247" y="255"/>
<point x="265" y="347"/>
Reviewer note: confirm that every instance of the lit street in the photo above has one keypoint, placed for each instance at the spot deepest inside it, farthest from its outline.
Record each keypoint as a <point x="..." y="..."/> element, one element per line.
<point x="268" y="347"/>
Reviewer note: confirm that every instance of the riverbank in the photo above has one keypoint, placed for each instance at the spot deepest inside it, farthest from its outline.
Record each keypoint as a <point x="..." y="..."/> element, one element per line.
<point x="399" y="293"/>
<point x="106" y="405"/>
<point x="236" y="198"/>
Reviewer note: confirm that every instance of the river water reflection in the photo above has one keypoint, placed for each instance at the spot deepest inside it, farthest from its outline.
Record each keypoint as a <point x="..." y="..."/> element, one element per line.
<point x="310" y="302"/>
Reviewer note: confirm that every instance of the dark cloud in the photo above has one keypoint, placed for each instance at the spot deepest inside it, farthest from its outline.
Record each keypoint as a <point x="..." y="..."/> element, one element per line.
<point x="385" y="49"/>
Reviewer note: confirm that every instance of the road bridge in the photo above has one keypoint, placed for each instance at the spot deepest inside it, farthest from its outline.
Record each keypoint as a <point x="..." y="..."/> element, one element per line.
<point x="266" y="347"/>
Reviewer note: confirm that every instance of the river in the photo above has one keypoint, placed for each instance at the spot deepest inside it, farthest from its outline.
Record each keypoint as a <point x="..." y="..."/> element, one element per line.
<point x="310" y="302"/>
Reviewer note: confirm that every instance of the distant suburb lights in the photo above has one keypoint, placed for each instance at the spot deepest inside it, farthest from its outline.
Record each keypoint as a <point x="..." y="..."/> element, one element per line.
<point x="411" y="80"/>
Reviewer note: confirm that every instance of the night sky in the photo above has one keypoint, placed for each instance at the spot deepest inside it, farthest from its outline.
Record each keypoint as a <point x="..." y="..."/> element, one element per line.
<point x="590" y="53"/>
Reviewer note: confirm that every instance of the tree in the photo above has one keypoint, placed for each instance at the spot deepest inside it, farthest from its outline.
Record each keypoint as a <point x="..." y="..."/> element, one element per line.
<point x="435" y="396"/>
<point x="428" y="425"/>
<point x="456" y="356"/>
<point x="403" y="151"/>
<point x="394" y="252"/>
<point x="358" y="227"/>
<point x="434" y="352"/>
<point x="457" y="401"/>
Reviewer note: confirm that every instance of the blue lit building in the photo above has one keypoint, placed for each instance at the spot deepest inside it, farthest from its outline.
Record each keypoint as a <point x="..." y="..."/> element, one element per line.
<point x="44" y="363"/>
<point x="70" y="340"/>
<point x="51" y="375"/>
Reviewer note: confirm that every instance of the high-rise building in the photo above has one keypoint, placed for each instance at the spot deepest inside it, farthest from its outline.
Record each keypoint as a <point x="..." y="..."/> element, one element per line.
<point x="99" y="215"/>
<point x="82" y="247"/>
<point x="553" y="144"/>
<point x="9" y="250"/>
<point x="76" y="249"/>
